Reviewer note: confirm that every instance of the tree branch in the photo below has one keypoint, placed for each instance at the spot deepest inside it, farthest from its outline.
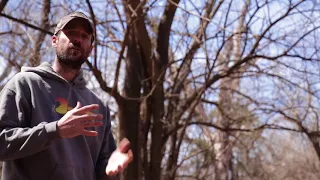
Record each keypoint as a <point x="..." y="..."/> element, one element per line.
<point x="26" y="24"/>
<point x="3" y="4"/>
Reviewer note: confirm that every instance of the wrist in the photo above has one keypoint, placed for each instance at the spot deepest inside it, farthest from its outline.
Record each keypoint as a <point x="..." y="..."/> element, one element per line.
<point x="58" y="129"/>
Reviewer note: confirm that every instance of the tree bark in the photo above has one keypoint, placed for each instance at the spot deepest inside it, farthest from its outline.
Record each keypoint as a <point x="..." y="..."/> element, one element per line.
<point x="3" y="4"/>
<point x="129" y="109"/>
<point x="223" y="146"/>
<point x="35" y="53"/>
<point x="137" y="62"/>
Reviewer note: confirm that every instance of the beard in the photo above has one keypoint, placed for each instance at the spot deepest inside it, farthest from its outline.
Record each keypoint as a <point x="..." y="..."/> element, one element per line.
<point x="72" y="58"/>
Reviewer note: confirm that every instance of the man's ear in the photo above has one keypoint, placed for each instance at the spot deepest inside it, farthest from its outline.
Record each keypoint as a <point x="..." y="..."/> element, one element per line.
<point x="54" y="39"/>
<point x="91" y="47"/>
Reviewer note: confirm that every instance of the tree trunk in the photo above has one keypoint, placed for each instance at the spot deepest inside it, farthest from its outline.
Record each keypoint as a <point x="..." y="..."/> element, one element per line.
<point x="129" y="124"/>
<point x="129" y="107"/>
<point x="35" y="53"/>
<point x="223" y="156"/>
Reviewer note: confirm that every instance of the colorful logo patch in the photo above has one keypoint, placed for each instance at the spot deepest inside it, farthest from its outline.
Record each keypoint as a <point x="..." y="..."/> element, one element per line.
<point x="61" y="106"/>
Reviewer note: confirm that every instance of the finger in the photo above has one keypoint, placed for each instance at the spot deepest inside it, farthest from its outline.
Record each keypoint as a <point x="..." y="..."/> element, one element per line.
<point x="124" y="145"/>
<point x="89" y="117"/>
<point x="91" y="124"/>
<point x="130" y="156"/>
<point x="77" y="106"/>
<point x="89" y="133"/>
<point x="120" y="169"/>
<point x="110" y="173"/>
<point x="110" y="170"/>
<point x="87" y="108"/>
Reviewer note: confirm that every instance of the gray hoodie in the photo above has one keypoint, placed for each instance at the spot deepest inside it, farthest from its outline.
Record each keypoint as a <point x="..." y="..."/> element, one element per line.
<point x="31" y="103"/>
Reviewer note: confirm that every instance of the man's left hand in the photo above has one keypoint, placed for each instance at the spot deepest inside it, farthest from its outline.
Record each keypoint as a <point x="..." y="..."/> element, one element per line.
<point x="120" y="158"/>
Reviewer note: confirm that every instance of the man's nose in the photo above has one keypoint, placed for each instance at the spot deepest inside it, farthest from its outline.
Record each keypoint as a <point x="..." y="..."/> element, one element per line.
<point x="77" y="42"/>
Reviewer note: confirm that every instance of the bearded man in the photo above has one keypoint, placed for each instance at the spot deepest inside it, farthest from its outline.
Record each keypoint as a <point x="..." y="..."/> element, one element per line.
<point x="51" y="125"/>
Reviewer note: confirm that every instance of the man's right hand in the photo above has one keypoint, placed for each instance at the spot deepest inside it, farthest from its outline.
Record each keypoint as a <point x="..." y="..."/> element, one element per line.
<point x="74" y="122"/>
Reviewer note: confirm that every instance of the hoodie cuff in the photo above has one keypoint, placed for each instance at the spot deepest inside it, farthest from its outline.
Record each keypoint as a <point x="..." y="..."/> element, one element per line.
<point x="51" y="129"/>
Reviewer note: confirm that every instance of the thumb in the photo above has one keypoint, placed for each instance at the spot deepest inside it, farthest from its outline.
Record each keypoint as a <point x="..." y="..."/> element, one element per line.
<point x="124" y="145"/>
<point x="78" y="105"/>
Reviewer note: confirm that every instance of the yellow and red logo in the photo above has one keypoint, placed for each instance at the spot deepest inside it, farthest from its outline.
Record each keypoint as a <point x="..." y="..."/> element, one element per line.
<point x="62" y="106"/>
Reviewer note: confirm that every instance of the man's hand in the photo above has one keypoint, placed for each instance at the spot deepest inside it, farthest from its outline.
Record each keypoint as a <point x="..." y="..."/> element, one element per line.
<point x="120" y="158"/>
<point x="74" y="122"/>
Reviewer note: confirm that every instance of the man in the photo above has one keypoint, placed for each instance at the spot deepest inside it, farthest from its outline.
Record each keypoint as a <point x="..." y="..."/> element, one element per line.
<point x="51" y="125"/>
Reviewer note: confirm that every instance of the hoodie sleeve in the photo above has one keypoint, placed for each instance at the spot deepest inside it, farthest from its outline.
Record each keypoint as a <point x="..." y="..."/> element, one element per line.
<point x="107" y="148"/>
<point x="17" y="140"/>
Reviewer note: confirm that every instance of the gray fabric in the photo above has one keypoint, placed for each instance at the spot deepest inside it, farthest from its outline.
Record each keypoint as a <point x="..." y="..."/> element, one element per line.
<point x="31" y="103"/>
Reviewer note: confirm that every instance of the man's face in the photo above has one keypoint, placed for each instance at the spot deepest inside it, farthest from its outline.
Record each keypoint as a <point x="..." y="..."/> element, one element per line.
<point x="73" y="43"/>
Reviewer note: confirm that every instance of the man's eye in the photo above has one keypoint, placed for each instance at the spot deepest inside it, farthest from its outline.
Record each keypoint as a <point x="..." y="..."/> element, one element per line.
<point x="85" y="36"/>
<point x="70" y="33"/>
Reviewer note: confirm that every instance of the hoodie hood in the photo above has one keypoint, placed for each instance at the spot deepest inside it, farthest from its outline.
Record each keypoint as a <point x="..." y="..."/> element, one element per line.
<point x="46" y="70"/>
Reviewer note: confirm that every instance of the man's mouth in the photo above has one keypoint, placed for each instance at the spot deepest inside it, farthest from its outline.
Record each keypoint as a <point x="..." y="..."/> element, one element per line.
<point x="74" y="51"/>
<point x="75" y="48"/>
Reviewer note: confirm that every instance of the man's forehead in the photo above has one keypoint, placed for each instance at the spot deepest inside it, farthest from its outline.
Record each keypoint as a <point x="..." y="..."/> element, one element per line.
<point x="79" y="23"/>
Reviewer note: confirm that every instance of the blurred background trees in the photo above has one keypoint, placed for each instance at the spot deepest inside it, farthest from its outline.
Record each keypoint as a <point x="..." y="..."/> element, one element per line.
<point x="206" y="89"/>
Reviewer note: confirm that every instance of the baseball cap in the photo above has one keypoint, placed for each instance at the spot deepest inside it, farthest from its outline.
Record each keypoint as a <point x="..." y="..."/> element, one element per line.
<point x="66" y="19"/>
